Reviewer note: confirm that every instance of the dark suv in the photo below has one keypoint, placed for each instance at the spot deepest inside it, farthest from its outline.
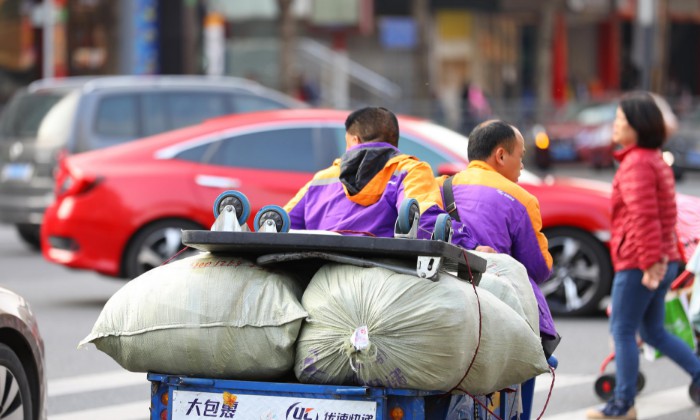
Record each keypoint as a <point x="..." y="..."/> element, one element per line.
<point x="54" y="117"/>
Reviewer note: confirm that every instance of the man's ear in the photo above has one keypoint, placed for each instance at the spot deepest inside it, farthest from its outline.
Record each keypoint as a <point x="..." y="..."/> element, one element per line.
<point x="500" y="155"/>
<point x="352" y="140"/>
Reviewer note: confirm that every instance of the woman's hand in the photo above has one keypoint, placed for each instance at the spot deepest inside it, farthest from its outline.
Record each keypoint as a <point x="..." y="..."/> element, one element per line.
<point x="654" y="274"/>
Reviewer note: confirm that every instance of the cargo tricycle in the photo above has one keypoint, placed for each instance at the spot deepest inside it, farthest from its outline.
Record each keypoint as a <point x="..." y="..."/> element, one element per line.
<point x="178" y="397"/>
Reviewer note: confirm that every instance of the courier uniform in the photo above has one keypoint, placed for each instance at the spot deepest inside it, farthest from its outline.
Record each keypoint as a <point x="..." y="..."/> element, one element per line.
<point x="502" y="215"/>
<point x="361" y="193"/>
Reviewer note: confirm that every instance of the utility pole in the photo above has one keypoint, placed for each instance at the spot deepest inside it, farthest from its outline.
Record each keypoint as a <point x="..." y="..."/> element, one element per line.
<point x="287" y="39"/>
<point x="644" y="40"/>
<point x="661" y="46"/>
<point x="420" y="12"/>
<point x="543" y="78"/>
<point x="49" y="20"/>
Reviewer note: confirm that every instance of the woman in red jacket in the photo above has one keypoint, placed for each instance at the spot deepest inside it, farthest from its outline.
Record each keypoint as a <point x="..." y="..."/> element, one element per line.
<point x="644" y="251"/>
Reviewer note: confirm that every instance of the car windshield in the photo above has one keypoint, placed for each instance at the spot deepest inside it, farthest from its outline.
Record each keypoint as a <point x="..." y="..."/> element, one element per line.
<point x="457" y="144"/>
<point x="23" y="115"/>
<point x="57" y="124"/>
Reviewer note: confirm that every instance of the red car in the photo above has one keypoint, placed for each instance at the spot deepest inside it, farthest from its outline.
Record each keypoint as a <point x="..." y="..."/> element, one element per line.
<point x="119" y="211"/>
<point x="581" y="133"/>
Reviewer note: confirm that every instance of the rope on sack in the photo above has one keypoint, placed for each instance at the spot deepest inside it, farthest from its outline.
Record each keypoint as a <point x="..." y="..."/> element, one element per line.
<point x="359" y="355"/>
<point x="476" y="350"/>
<point x="175" y="256"/>
<point x="478" y="304"/>
<point x="551" y="387"/>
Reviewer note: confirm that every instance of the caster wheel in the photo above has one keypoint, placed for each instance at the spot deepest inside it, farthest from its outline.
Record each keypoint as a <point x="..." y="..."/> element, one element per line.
<point x="407" y="211"/>
<point x="274" y="213"/>
<point x="641" y="381"/>
<point x="443" y="228"/>
<point x="605" y="386"/>
<point x="694" y="392"/>
<point x="236" y="199"/>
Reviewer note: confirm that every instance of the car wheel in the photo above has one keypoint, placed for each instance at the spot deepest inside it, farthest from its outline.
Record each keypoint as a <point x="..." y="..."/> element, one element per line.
<point x="29" y="235"/>
<point x="581" y="273"/>
<point x="16" y="403"/>
<point x="155" y="244"/>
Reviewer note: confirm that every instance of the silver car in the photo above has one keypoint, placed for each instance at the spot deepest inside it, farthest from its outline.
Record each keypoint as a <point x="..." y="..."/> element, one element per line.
<point x="54" y="117"/>
<point x="22" y="375"/>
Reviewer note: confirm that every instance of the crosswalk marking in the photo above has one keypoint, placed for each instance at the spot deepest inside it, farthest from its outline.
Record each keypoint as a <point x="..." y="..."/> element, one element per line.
<point x="132" y="411"/>
<point x="95" y="382"/>
<point x="543" y="382"/>
<point x="648" y="405"/>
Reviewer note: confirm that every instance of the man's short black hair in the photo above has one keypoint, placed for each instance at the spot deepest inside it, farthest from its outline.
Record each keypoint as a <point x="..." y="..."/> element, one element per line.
<point x="645" y="117"/>
<point x="489" y="135"/>
<point x="373" y="124"/>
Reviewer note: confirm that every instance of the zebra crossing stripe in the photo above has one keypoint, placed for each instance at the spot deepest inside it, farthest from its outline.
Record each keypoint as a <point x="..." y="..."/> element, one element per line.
<point x="95" y="382"/>
<point x="648" y="406"/>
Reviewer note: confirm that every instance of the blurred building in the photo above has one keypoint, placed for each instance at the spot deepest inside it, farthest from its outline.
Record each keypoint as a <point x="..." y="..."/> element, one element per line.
<point x="95" y="37"/>
<point x="415" y="56"/>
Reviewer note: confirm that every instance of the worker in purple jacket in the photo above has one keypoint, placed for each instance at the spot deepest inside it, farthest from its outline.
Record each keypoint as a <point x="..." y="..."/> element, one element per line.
<point x="487" y="198"/>
<point x="361" y="193"/>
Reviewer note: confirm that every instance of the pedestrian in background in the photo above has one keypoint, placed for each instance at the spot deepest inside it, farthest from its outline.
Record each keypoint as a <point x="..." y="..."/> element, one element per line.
<point x="644" y="251"/>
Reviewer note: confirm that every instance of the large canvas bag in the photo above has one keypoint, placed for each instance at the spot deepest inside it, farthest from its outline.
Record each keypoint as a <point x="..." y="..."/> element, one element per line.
<point x="372" y="326"/>
<point x="507" y="279"/>
<point x="207" y="315"/>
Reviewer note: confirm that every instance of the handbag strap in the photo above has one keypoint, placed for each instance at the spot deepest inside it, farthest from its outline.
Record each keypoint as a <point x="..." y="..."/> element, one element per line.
<point x="450" y="205"/>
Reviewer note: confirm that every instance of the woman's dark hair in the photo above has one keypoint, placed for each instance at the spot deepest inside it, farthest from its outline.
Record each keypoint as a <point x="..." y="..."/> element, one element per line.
<point x="489" y="135"/>
<point x="645" y="117"/>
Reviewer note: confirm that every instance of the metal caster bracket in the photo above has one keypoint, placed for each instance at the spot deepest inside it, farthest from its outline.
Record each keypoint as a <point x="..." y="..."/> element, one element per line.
<point x="228" y="221"/>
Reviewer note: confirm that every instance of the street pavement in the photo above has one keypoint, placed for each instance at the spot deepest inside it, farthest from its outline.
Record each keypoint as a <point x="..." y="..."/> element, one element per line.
<point x="87" y="384"/>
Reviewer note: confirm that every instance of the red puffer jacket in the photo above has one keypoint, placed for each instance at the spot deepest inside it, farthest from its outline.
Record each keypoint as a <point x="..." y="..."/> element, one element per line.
<point x="644" y="210"/>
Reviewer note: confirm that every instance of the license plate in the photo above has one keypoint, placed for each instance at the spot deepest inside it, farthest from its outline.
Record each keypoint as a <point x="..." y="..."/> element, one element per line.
<point x="17" y="172"/>
<point x="190" y="405"/>
<point x="693" y="158"/>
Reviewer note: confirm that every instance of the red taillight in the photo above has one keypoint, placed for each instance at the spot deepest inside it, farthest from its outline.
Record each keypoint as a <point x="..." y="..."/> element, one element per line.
<point x="396" y="413"/>
<point x="164" y="415"/>
<point x="61" y="154"/>
<point x="73" y="182"/>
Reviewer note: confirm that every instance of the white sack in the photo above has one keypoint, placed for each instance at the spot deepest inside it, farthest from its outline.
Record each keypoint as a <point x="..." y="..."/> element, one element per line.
<point x="419" y="334"/>
<point x="207" y="315"/>
<point x="507" y="279"/>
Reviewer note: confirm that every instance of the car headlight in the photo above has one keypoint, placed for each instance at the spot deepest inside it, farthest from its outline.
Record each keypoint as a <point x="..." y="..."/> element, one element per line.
<point x="668" y="158"/>
<point x="540" y="136"/>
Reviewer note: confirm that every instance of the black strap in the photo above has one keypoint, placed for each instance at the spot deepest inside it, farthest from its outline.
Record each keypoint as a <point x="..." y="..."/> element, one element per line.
<point x="450" y="205"/>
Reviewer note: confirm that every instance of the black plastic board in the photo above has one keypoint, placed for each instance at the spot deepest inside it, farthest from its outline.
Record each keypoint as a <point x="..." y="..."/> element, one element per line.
<point x="262" y="243"/>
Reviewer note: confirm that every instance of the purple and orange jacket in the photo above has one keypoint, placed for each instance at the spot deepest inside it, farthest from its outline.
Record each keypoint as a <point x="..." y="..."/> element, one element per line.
<point x="361" y="193"/>
<point x="504" y="216"/>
